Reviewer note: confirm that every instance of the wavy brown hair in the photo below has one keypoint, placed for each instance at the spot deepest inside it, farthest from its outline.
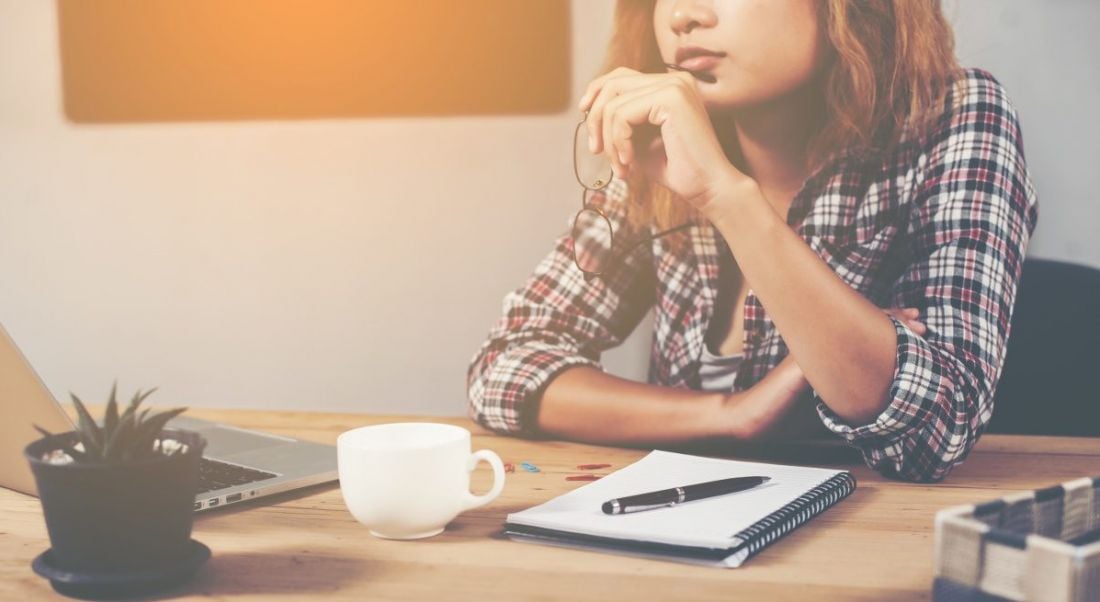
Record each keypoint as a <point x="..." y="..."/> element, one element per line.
<point x="888" y="73"/>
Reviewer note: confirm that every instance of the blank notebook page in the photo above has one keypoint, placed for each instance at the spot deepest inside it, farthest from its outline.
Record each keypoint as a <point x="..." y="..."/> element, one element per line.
<point x="706" y="523"/>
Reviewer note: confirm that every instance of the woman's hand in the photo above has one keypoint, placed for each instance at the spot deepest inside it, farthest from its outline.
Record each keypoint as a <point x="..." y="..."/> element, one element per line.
<point x="751" y="414"/>
<point x="656" y="122"/>
<point x="910" y="316"/>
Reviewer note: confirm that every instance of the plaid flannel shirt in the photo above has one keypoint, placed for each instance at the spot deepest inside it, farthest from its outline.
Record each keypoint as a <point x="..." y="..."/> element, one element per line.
<point x="941" y="224"/>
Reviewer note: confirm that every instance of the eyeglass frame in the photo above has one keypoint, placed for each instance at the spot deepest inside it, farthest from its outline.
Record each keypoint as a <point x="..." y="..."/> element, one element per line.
<point x="585" y="206"/>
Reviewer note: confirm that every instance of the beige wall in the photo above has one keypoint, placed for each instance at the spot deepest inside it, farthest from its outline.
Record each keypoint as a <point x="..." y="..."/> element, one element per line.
<point x="357" y="264"/>
<point x="343" y="264"/>
<point x="1044" y="54"/>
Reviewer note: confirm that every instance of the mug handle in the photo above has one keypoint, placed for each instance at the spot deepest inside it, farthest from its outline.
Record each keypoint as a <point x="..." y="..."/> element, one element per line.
<point x="471" y="501"/>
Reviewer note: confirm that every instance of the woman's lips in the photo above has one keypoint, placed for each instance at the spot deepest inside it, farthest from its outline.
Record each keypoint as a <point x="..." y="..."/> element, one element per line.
<point x="700" y="63"/>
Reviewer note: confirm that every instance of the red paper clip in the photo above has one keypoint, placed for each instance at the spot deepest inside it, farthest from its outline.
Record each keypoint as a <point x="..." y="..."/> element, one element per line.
<point x="592" y="466"/>
<point x="509" y="467"/>
<point x="583" y="477"/>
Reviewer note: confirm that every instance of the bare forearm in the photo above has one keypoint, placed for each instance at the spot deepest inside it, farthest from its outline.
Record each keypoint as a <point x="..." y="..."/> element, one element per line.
<point x="844" y="344"/>
<point x="588" y="405"/>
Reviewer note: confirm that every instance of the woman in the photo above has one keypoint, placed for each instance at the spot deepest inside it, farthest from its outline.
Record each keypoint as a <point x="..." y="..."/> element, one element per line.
<point x="835" y="162"/>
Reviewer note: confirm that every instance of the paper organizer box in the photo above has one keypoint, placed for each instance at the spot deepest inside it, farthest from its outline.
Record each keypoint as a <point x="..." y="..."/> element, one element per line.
<point x="1035" y="545"/>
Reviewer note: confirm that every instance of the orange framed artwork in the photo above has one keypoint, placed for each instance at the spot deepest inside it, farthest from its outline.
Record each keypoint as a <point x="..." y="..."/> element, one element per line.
<point x="200" y="60"/>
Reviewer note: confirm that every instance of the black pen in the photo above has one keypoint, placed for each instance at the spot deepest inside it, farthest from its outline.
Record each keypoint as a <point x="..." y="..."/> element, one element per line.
<point x="679" y="495"/>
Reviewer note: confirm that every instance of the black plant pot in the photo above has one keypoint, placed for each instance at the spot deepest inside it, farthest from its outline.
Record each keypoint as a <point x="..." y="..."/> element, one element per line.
<point x="110" y="519"/>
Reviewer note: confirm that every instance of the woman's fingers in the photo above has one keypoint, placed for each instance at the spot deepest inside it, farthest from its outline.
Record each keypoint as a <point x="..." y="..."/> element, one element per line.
<point x="603" y="91"/>
<point x="621" y="117"/>
<point x="910" y="316"/>
<point x="917" y="327"/>
<point x="594" y="87"/>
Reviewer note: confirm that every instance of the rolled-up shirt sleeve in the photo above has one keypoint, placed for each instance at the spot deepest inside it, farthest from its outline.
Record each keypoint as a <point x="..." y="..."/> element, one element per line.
<point x="556" y="320"/>
<point x="971" y="218"/>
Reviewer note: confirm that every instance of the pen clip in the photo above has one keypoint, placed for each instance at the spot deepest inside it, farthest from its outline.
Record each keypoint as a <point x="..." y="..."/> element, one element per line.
<point x="629" y="509"/>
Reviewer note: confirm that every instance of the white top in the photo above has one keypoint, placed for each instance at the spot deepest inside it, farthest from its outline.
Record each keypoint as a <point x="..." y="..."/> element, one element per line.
<point x="717" y="372"/>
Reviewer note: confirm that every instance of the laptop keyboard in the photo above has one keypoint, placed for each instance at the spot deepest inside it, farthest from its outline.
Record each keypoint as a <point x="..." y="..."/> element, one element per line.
<point x="218" y="475"/>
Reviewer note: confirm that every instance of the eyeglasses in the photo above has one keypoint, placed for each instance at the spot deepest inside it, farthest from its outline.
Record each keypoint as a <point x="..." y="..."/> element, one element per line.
<point x="594" y="249"/>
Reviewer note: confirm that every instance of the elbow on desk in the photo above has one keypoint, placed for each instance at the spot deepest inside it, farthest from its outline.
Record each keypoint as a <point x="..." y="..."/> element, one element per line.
<point x="940" y="441"/>
<point x="493" y="405"/>
<point x="937" y="408"/>
<point x="482" y="404"/>
<point x="940" y="400"/>
<point x="480" y="410"/>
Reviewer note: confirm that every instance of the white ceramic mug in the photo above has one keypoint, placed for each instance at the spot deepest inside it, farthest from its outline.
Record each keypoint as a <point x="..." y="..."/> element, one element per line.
<point x="408" y="480"/>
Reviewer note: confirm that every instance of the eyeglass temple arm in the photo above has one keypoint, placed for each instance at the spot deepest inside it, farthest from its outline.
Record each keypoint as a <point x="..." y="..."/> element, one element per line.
<point x="646" y="239"/>
<point x="590" y="276"/>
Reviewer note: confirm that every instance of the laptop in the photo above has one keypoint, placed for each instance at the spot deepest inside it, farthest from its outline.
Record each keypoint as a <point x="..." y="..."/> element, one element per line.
<point x="237" y="465"/>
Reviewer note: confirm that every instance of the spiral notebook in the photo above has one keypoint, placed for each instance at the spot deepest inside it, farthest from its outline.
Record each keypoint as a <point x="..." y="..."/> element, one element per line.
<point x="721" y="531"/>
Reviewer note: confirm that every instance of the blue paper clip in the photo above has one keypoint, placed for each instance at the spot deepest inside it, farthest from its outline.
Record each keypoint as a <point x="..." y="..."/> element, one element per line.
<point x="529" y="467"/>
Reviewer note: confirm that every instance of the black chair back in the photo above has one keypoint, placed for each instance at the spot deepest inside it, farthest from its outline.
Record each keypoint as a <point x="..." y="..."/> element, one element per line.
<point x="1050" y="384"/>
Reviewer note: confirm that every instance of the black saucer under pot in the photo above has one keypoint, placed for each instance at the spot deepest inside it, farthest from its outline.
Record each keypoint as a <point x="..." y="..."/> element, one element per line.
<point x="118" y="518"/>
<point x="93" y="585"/>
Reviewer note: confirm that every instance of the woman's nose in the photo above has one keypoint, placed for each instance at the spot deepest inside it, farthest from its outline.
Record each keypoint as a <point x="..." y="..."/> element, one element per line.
<point x="689" y="14"/>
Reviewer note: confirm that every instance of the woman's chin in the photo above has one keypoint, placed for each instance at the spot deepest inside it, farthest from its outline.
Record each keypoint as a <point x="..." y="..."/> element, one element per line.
<point x="717" y="104"/>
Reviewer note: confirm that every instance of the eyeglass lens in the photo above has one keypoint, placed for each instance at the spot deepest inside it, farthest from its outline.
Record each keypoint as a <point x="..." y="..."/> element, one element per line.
<point x="592" y="241"/>
<point x="593" y="170"/>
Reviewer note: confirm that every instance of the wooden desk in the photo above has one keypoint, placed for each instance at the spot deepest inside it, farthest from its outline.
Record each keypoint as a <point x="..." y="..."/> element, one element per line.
<point x="877" y="544"/>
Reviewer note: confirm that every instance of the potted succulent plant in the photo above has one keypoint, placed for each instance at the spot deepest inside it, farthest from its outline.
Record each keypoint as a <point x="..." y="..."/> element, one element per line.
<point x="118" y="501"/>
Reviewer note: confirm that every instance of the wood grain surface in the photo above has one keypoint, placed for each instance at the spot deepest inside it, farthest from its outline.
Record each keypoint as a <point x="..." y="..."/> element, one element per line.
<point x="875" y="545"/>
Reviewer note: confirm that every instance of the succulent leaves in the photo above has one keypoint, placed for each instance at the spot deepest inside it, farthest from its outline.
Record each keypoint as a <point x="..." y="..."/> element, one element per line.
<point x="126" y="437"/>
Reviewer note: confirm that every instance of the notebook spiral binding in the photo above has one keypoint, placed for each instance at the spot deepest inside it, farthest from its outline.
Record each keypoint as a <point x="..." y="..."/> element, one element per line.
<point x="789" y="517"/>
